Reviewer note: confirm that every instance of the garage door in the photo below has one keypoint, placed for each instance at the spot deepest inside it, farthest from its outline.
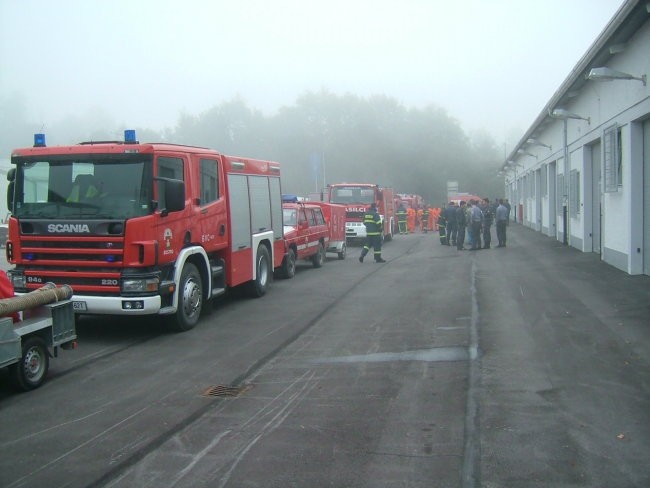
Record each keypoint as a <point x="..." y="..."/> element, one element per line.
<point x="646" y="197"/>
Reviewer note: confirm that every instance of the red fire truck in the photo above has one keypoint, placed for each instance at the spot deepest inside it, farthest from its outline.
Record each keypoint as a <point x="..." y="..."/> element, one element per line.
<point x="305" y="233"/>
<point x="357" y="198"/>
<point x="335" y="218"/>
<point x="410" y="200"/>
<point x="141" y="229"/>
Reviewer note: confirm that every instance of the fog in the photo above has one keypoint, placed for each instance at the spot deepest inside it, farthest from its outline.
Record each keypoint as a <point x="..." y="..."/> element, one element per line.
<point x="77" y="65"/>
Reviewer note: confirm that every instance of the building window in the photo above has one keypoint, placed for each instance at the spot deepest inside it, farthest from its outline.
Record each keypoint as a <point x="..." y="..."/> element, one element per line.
<point x="543" y="184"/>
<point x="612" y="158"/>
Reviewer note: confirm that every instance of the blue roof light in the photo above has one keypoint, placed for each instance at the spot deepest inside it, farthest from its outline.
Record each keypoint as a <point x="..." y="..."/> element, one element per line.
<point x="39" y="140"/>
<point x="289" y="198"/>
<point x="129" y="136"/>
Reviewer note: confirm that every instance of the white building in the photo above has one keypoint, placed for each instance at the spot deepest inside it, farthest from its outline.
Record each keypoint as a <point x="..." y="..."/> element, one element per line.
<point x="581" y="172"/>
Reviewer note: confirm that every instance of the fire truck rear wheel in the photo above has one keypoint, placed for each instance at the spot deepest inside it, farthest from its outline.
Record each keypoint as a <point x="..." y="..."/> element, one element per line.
<point x="258" y="286"/>
<point x="190" y="300"/>
<point x="344" y="251"/>
<point x="30" y="372"/>
<point x="319" y="258"/>
<point x="289" y="264"/>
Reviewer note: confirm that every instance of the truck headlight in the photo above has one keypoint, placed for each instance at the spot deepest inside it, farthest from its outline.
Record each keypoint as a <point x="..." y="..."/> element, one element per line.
<point x="18" y="280"/>
<point x="140" y="285"/>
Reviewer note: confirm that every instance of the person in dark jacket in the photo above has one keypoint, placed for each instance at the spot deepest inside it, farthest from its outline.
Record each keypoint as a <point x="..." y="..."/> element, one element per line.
<point x="461" y="223"/>
<point x="374" y="229"/>
<point x="488" y="220"/>
<point x="450" y="216"/>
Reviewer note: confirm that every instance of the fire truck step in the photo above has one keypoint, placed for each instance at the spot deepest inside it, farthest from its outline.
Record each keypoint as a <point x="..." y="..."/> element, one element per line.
<point x="217" y="292"/>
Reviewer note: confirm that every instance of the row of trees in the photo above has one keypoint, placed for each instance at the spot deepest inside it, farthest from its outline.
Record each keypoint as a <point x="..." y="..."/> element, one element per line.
<point x="322" y="138"/>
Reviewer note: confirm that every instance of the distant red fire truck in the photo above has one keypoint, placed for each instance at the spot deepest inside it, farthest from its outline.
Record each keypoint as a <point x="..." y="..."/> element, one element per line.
<point x="141" y="229"/>
<point x="357" y="198"/>
<point x="416" y="202"/>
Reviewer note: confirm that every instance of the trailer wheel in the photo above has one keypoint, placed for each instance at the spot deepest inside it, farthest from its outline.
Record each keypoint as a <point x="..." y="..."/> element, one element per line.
<point x="319" y="258"/>
<point x="30" y="372"/>
<point x="190" y="300"/>
<point x="258" y="286"/>
<point x="344" y="251"/>
<point x="289" y="265"/>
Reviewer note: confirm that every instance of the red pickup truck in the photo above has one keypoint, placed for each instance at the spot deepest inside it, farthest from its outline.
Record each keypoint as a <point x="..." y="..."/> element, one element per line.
<point x="306" y="235"/>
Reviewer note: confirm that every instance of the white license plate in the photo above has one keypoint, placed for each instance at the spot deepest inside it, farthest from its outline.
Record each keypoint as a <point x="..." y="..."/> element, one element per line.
<point x="79" y="306"/>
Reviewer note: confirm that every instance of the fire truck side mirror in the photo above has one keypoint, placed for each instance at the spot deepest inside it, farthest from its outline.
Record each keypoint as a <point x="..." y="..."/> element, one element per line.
<point x="174" y="195"/>
<point x="11" y="178"/>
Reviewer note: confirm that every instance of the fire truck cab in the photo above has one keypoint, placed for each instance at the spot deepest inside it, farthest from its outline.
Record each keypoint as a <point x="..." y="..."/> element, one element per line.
<point x="357" y="198"/>
<point x="306" y="234"/>
<point x="141" y="229"/>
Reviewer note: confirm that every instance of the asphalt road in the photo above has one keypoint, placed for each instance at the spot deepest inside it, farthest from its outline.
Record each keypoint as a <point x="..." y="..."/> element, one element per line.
<point x="518" y="367"/>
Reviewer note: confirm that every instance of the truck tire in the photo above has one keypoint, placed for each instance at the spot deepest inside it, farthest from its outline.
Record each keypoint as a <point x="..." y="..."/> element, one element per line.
<point x="288" y="270"/>
<point x="344" y="251"/>
<point x="30" y="372"/>
<point x="190" y="300"/>
<point x="258" y="286"/>
<point x="319" y="258"/>
<point x="389" y="236"/>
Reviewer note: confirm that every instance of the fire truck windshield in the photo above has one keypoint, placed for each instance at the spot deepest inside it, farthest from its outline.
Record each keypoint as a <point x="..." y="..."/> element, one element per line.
<point x="352" y="194"/>
<point x="92" y="187"/>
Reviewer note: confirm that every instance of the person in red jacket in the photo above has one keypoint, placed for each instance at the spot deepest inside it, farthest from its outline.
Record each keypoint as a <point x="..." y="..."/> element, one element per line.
<point x="7" y="291"/>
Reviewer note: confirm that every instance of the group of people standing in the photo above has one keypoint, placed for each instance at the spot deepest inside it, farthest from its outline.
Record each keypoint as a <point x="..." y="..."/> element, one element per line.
<point x="472" y="223"/>
<point x="454" y="223"/>
<point x="409" y="219"/>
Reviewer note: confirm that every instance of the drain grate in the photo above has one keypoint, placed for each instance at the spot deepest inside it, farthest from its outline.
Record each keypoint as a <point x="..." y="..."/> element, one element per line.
<point x="225" y="391"/>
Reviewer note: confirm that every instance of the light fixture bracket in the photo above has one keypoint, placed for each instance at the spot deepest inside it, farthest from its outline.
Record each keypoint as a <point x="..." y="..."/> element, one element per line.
<point x="607" y="74"/>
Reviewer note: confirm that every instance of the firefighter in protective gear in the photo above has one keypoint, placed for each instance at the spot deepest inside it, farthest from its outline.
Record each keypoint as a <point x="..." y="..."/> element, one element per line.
<point x="374" y="228"/>
<point x="401" y="220"/>
<point x="410" y="219"/>
<point x="425" y="219"/>
<point x="442" y="228"/>
<point x="432" y="219"/>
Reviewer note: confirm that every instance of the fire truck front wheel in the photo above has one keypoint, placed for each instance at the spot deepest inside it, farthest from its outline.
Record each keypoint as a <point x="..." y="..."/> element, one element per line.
<point x="260" y="283"/>
<point x="31" y="370"/>
<point x="190" y="300"/>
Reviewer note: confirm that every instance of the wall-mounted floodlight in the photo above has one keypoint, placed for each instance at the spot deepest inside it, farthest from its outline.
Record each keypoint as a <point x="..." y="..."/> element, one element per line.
<point x="535" y="142"/>
<point x="607" y="74"/>
<point x="560" y="113"/>
<point x="617" y="48"/>
<point x="521" y="151"/>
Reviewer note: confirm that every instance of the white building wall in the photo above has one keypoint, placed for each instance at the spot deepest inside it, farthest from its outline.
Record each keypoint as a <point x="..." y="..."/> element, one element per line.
<point x="625" y="103"/>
